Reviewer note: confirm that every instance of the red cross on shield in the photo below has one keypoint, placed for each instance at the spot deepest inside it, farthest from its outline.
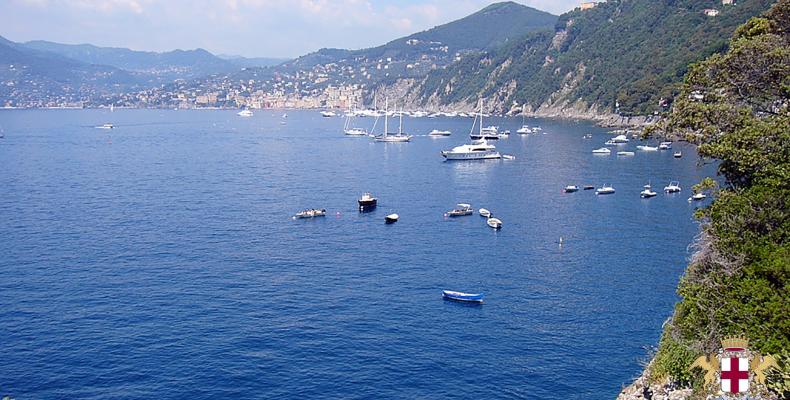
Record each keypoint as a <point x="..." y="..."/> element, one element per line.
<point x="734" y="374"/>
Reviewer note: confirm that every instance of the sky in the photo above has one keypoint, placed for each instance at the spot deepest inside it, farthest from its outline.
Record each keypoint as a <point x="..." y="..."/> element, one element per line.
<point x="251" y="28"/>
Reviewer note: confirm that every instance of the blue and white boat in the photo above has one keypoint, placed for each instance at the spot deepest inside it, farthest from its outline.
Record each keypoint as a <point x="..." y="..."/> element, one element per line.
<point x="460" y="296"/>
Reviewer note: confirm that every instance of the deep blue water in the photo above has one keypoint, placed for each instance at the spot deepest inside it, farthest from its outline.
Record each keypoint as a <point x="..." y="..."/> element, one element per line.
<point x="159" y="260"/>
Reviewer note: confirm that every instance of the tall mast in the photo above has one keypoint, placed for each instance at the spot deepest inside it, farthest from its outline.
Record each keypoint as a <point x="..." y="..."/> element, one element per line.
<point x="386" y="114"/>
<point x="400" y="122"/>
<point x="481" y="118"/>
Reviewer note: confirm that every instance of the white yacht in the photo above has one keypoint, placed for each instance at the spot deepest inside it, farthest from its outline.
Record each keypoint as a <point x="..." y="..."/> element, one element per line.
<point x="437" y="132"/>
<point x="477" y="150"/>
<point x="673" y="187"/>
<point x="400" y="137"/>
<point x="647" y="192"/>
<point x="647" y="148"/>
<point x="605" y="189"/>
<point x="602" y="150"/>
<point x="697" y="197"/>
<point x="620" y="139"/>
<point x="244" y="113"/>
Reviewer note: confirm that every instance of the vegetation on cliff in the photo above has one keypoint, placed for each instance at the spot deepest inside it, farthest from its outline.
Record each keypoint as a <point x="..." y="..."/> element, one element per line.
<point x="736" y="106"/>
<point x="628" y="52"/>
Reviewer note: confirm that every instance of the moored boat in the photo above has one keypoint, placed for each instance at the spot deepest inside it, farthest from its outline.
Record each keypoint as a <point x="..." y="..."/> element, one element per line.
<point x="460" y="209"/>
<point x="673" y="187"/>
<point x="678" y="154"/>
<point x="367" y="202"/>
<point x="244" y="113"/>
<point x="647" y="192"/>
<point x="625" y="153"/>
<point x="391" y="219"/>
<point x="589" y="187"/>
<point x="647" y="148"/>
<point x="106" y="126"/>
<point x="461" y="296"/>
<point x="602" y="150"/>
<point x="665" y="145"/>
<point x="484" y="212"/>
<point x="697" y="197"/>
<point x="605" y="189"/>
<point x="570" y="189"/>
<point x="310" y="213"/>
<point x="495" y="223"/>
<point x="437" y="132"/>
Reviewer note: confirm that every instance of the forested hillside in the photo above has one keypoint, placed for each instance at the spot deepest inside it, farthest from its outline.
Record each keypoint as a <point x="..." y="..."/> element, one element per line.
<point x="631" y="53"/>
<point x="736" y="106"/>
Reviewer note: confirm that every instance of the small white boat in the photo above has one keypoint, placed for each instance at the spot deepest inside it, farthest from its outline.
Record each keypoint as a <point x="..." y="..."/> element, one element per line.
<point x="437" y="132"/>
<point x="625" y="153"/>
<point x="678" y="154"/>
<point x="602" y="150"/>
<point x="570" y="189"/>
<point x="460" y="210"/>
<point x="391" y="219"/>
<point x="484" y="212"/>
<point x="524" y="130"/>
<point x="244" y="113"/>
<point x="105" y="126"/>
<point x="508" y="157"/>
<point x="665" y="145"/>
<point x="461" y="296"/>
<point x="610" y="142"/>
<point x="647" y="148"/>
<point x="697" y="197"/>
<point x="673" y="187"/>
<point x="587" y="136"/>
<point x="311" y="213"/>
<point x="620" y="139"/>
<point x="356" y="132"/>
<point x="494" y="223"/>
<point x="328" y="114"/>
<point x="647" y="192"/>
<point x="605" y="189"/>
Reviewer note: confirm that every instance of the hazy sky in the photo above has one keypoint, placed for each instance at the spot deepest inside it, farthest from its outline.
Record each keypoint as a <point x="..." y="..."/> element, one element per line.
<point x="264" y="28"/>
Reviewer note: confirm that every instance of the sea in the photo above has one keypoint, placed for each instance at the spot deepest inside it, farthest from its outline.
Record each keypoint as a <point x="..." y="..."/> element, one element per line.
<point x="160" y="259"/>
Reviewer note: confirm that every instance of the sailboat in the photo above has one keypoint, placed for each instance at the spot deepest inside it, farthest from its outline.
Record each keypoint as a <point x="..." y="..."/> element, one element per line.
<point x="353" y="131"/>
<point x="386" y="137"/>
<point x="487" y="133"/>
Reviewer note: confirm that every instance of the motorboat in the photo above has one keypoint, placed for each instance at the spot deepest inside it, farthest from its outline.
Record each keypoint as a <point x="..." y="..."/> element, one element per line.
<point x="356" y="132"/>
<point x="589" y="187"/>
<point x="620" y="139"/>
<point x="495" y="223"/>
<point x="678" y="154"/>
<point x="244" y="113"/>
<point x="524" y="130"/>
<point x="391" y="219"/>
<point x="477" y="150"/>
<point x="610" y="142"/>
<point x="625" y="153"/>
<point x="570" y="189"/>
<point x="697" y="197"/>
<point x="367" y="202"/>
<point x="328" y="114"/>
<point x="647" y="148"/>
<point x="602" y="150"/>
<point x="665" y="145"/>
<point x="484" y="212"/>
<point x="587" y="136"/>
<point x="310" y="213"/>
<point x="460" y="210"/>
<point x="437" y="132"/>
<point x="106" y="126"/>
<point x="508" y="157"/>
<point x="647" y="192"/>
<point x="605" y="189"/>
<point x="536" y="129"/>
<point x="673" y="187"/>
<point x="460" y="296"/>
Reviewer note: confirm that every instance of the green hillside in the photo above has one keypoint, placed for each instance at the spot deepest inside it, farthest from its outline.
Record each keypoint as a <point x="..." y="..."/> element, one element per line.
<point x="736" y="106"/>
<point x="631" y="52"/>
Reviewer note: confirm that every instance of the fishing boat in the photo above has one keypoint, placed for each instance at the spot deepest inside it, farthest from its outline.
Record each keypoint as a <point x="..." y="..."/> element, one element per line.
<point x="673" y="187"/>
<point x="647" y="148"/>
<point x="494" y="223"/>
<point x="439" y="133"/>
<point x="605" y="189"/>
<point x="367" y="202"/>
<point x="647" y="192"/>
<point x="570" y="189"/>
<point x="105" y="126"/>
<point x="460" y="210"/>
<point x="461" y="296"/>
<point x="310" y="213"/>
<point x="625" y="153"/>
<point x="602" y="150"/>
<point x="484" y="212"/>
<point x="244" y="113"/>
<point x="678" y="154"/>
<point x="391" y="219"/>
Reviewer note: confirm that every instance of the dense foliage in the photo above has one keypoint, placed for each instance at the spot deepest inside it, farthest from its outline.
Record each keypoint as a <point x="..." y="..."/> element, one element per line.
<point x="631" y="52"/>
<point x="736" y="106"/>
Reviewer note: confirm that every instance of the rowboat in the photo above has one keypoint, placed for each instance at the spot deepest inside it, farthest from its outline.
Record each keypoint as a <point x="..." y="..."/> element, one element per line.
<point x="484" y="212"/>
<point x="495" y="223"/>
<point x="460" y="296"/>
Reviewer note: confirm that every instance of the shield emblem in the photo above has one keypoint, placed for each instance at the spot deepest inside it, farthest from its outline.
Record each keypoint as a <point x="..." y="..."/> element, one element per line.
<point x="734" y="374"/>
